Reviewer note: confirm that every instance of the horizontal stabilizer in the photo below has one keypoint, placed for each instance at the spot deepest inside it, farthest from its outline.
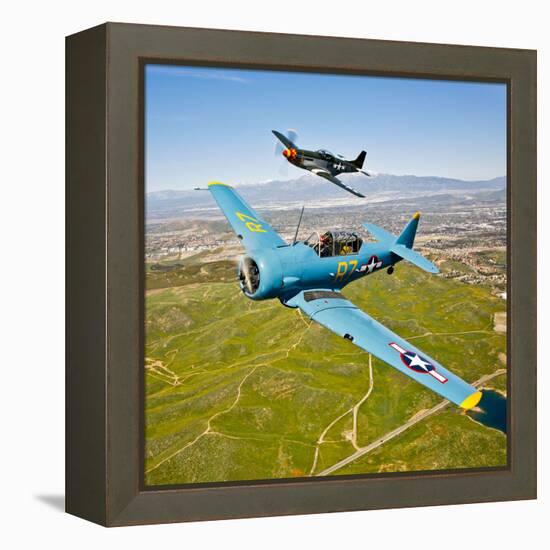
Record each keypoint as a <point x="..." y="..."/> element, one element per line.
<point x="414" y="258"/>
<point x="378" y="233"/>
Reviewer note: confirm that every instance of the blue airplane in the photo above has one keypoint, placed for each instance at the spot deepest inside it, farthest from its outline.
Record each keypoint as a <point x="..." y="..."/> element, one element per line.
<point x="310" y="274"/>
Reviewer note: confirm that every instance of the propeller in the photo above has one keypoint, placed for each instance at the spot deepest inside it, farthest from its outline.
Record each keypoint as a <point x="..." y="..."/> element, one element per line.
<point x="245" y="270"/>
<point x="249" y="274"/>
<point x="292" y="135"/>
<point x="283" y="169"/>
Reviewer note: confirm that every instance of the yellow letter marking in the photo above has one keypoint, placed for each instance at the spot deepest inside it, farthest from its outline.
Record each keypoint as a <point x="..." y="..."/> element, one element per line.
<point x="343" y="269"/>
<point x="253" y="224"/>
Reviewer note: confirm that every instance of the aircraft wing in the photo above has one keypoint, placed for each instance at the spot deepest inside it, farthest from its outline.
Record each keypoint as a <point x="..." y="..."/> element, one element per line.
<point x="328" y="176"/>
<point x="253" y="232"/>
<point x="284" y="140"/>
<point x="331" y="310"/>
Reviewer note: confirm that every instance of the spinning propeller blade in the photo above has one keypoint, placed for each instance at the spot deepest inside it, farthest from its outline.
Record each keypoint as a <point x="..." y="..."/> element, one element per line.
<point x="291" y="135"/>
<point x="246" y="274"/>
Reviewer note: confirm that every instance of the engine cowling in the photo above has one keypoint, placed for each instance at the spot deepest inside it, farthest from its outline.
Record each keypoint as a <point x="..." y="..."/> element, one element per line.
<point x="261" y="276"/>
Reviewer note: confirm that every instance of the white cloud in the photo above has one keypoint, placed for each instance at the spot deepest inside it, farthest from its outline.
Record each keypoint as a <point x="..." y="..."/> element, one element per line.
<point x="190" y="73"/>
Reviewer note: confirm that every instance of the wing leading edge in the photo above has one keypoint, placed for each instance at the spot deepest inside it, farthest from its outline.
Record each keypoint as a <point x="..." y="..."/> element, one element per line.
<point x="251" y="229"/>
<point x="331" y="310"/>
<point x="329" y="177"/>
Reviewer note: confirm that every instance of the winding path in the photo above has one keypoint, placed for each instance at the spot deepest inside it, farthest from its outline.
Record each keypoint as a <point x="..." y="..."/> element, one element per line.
<point x="353" y="410"/>
<point x="394" y="433"/>
<point x="208" y="429"/>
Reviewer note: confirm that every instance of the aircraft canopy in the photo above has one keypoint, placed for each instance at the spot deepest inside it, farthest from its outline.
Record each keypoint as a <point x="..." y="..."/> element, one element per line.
<point x="335" y="243"/>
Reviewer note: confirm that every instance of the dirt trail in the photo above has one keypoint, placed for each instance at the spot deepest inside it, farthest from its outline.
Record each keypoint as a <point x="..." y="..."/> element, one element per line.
<point x="162" y="371"/>
<point x="353" y="410"/>
<point x="208" y="429"/>
<point x="397" y="431"/>
<point x="500" y="321"/>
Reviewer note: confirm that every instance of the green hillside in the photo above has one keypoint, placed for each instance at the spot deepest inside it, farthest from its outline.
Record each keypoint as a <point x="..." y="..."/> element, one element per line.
<point x="241" y="390"/>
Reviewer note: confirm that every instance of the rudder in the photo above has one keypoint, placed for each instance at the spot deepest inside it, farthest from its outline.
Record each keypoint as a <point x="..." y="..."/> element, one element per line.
<point x="359" y="161"/>
<point x="409" y="233"/>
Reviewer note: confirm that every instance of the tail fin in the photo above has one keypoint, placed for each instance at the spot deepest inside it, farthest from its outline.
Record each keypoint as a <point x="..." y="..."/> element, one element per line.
<point x="358" y="162"/>
<point x="402" y="246"/>
<point x="404" y="243"/>
<point x="409" y="233"/>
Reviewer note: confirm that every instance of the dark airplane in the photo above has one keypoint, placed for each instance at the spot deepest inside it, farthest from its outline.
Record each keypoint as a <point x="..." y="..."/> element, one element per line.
<point x="322" y="163"/>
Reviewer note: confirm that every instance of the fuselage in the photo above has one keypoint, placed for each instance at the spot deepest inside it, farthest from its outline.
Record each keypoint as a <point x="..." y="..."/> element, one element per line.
<point x="287" y="270"/>
<point x="324" y="160"/>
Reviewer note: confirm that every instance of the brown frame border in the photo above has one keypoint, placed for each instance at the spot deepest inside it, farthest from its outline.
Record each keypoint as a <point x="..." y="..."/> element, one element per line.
<point x="105" y="273"/>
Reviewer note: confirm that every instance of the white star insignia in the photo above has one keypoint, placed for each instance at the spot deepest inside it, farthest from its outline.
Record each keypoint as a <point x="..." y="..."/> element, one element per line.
<point x="372" y="265"/>
<point x="417" y="361"/>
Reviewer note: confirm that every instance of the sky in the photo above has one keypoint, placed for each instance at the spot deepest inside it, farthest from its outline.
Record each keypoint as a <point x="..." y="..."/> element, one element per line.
<point x="211" y="124"/>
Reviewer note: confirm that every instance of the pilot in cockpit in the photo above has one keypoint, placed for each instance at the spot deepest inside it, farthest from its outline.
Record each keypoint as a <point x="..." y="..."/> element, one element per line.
<point x="325" y="244"/>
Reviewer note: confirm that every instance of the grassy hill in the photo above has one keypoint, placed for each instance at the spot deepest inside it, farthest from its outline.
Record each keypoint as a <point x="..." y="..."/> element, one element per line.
<point x="242" y="390"/>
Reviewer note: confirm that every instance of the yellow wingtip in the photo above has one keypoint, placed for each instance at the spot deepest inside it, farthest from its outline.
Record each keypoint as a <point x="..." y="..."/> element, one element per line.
<point x="471" y="401"/>
<point x="416" y="215"/>
<point x="217" y="183"/>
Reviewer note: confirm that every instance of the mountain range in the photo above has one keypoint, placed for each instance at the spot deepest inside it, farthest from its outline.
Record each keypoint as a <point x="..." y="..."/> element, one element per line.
<point x="175" y="203"/>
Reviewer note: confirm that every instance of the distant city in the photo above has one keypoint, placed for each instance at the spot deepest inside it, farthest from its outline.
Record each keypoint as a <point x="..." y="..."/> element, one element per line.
<point x="462" y="221"/>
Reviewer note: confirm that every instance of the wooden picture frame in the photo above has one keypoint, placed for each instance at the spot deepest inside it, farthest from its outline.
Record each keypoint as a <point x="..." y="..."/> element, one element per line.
<point x="105" y="242"/>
